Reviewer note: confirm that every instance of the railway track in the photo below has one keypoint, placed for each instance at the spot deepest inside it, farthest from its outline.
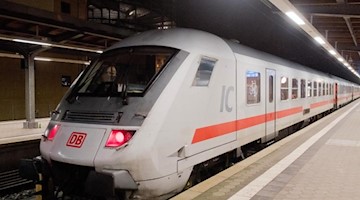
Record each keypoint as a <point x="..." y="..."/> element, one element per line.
<point x="10" y="182"/>
<point x="10" y="155"/>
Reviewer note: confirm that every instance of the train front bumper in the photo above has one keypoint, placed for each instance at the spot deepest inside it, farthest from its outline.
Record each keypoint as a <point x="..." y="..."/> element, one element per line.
<point x="104" y="183"/>
<point x="107" y="181"/>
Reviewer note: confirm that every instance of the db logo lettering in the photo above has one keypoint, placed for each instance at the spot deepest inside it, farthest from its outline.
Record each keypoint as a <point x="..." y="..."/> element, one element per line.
<point x="76" y="139"/>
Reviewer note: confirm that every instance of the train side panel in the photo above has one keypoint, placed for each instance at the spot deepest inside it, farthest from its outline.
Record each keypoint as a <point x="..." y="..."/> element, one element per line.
<point x="210" y="112"/>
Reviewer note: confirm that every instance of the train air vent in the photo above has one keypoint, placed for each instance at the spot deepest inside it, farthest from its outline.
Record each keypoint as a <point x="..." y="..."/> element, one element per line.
<point x="92" y="117"/>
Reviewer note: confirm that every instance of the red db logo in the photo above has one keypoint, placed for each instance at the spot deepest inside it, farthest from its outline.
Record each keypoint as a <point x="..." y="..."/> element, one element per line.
<point x="76" y="139"/>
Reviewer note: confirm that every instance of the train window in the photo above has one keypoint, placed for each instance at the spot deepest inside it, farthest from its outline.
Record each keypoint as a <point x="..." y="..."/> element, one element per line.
<point x="294" y="92"/>
<point x="327" y="89"/>
<point x="204" y="71"/>
<point x="340" y="91"/>
<point x="308" y="94"/>
<point x="324" y="89"/>
<point x="284" y="91"/>
<point x="271" y="88"/>
<point x="252" y="87"/>
<point x="302" y="88"/>
<point x="330" y="89"/>
<point x="315" y="89"/>
<point x="320" y="89"/>
<point x="123" y="72"/>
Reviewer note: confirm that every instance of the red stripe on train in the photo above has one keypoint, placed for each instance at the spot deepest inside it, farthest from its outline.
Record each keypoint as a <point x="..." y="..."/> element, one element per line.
<point x="217" y="130"/>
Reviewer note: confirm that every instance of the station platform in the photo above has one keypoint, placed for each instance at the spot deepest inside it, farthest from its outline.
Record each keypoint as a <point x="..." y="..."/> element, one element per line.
<point x="13" y="131"/>
<point x="321" y="161"/>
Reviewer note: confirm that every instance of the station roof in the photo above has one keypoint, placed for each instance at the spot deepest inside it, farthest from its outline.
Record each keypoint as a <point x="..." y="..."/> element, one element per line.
<point x="255" y="23"/>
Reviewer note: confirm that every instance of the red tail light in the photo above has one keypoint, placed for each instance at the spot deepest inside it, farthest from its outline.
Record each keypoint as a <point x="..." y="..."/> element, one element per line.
<point x="118" y="138"/>
<point x="51" y="131"/>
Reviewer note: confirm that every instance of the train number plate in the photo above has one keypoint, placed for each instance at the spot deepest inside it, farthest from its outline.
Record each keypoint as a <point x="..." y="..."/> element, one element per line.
<point x="76" y="139"/>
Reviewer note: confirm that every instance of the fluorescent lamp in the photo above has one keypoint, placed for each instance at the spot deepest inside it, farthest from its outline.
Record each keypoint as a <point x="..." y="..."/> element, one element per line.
<point x="340" y="59"/>
<point x="76" y="48"/>
<point x="332" y="52"/>
<point x="319" y="40"/>
<point x="132" y="12"/>
<point x="42" y="59"/>
<point x="346" y="64"/>
<point x="32" y="42"/>
<point x="48" y="44"/>
<point x="295" y="18"/>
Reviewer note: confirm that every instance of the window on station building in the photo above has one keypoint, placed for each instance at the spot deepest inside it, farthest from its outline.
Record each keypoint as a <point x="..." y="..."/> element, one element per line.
<point x="284" y="88"/>
<point x="295" y="89"/>
<point x="65" y="7"/>
<point x="252" y="87"/>
<point x="302" y="88"/>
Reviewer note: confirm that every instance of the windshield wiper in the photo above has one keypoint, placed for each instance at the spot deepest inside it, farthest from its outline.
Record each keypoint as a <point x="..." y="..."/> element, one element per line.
<point x="124" y="90"/>
<point x="71" y="97"/>
<point x="123" y="82"/>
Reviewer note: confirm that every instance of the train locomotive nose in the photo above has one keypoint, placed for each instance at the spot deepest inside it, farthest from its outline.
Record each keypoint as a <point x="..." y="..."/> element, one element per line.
<point x="77" y="145"/>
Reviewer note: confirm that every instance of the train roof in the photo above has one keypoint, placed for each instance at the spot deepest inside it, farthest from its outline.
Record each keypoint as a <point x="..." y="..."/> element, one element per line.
<point x="247" y="51"/>
<point x="189" y="40"/>
<point x="205" y="43"/>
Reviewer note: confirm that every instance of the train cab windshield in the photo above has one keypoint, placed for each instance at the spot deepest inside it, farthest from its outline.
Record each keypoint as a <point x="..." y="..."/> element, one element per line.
<point x="123" y="72"/>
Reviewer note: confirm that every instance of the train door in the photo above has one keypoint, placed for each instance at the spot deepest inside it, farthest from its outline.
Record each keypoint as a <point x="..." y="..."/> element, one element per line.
<point x="335" y="95"/>
<point x="270" y="104"/>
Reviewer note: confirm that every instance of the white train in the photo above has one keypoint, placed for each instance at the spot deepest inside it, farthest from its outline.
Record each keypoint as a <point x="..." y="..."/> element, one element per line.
<point x="155" y="109"/>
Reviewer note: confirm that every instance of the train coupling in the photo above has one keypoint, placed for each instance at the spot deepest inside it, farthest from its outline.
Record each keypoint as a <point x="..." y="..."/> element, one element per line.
<point x="37" y="170"/>
<point x="31" y="168"/>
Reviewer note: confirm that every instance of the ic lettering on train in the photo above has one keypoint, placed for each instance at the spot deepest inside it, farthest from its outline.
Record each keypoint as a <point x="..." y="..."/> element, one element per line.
<point x="225" y="98"/>
<point x="76" y="139"/>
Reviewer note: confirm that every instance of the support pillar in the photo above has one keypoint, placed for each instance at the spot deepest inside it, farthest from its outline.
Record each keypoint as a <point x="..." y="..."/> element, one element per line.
<point x="30" y="92"/>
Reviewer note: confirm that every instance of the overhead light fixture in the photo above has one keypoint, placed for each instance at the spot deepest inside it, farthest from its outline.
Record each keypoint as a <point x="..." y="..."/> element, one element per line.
<point x="37" y="58"/>
<point x="76" y="48"/>
<point x="21" y="40"/>
<point x="32" y="42"/>
<point x="332" y="52"/>
<point x="42" y="59"/>
<point x="340" y="59"/>
<point x="319" y="40"/>
<point x="295" y="18"/>
<point x="287" y="8"/>
<point x="62" y="60"/>
<point x="131" y="12"/>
